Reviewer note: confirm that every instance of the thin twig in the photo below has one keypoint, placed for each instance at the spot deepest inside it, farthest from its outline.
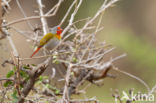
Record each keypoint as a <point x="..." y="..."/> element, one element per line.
<point x="70" y="8"/>
<point x="24" y="14"/>
<point x="56" y="7"/>
<point x="43" y="20"/>
<point x="12" y="45"/>
<point x="72" y="18"/>
<point x="135" y="77"/>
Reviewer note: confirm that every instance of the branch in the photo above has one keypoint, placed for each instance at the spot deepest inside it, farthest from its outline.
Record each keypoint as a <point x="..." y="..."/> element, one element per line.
<point x="34" y="74"/>
<point x="43" y="20"/>
<point x="102" y="9"/>
<point x="24" y="14"/>
<point x="70" y="8"/>
<point x="6" y="79"/>
<point x="85" y="100"/>
<point x="5" y="31"/>
<point x="56" y="7"/>
<point x="72" y="18"/>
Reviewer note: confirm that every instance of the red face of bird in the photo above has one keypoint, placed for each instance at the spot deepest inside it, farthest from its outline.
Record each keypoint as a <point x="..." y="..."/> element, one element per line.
<point x="57" y="31"/>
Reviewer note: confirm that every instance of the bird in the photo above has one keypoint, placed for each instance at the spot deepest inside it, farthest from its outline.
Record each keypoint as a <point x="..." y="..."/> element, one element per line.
<point x="50" y="40"/>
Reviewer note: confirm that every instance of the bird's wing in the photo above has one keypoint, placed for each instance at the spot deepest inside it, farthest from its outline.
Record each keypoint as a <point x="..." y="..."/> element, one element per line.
<point x="45" y="39"/>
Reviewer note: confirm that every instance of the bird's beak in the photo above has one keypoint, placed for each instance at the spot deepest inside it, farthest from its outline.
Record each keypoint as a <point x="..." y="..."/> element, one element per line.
<point x="61" y="30"/>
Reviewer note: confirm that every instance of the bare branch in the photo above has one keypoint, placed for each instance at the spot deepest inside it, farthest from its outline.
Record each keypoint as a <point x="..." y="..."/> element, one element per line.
<point x="43" y="20"/>
<point x="135" y="77"/>
<point x="33" y="76"/>
<point x="64" y="18"/>
<point x="24" y="14"/>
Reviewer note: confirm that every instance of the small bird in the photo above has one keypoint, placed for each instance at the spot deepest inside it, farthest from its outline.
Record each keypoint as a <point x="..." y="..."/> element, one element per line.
<point x="50" y="40"/>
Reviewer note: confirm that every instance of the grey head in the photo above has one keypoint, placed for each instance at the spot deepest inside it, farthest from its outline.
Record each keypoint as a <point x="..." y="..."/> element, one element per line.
<point x="56" y="30"/>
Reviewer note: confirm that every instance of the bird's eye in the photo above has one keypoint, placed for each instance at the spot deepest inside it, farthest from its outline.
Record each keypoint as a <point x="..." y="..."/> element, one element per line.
<point x="58" y="28"/>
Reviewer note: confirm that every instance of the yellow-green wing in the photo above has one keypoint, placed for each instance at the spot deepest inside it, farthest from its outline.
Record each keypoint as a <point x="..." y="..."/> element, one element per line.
<point x="45" y="39"/>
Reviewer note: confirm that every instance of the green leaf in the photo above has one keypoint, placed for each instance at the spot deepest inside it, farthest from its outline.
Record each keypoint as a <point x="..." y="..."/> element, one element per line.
<point x="48" y="86"/>
<point x="7" y="83"/>
<point x="57" y="91"/>
<point x="55" y="57"/>
<point x="14" y="68"/>
<point x="23" y="74"/>
<point x="46" y="102"/>
<point x="33" y="64"/>
<point x="74" y="60"/>
<point x="41" y="78"/>
<point x="38" y="82"/>
<point x="55" y="61"/>
<point x="26" y="67"/>
<point x="10" y="73"/>
<point x="14" y="96"/>
<point x="72" y="73"/>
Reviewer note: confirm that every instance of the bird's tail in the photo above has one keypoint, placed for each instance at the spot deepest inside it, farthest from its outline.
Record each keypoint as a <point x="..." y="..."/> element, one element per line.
<point x="35" y="52"/>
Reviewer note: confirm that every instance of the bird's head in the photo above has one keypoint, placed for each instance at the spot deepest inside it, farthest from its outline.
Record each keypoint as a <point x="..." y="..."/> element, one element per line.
<point x="57" y="30"/>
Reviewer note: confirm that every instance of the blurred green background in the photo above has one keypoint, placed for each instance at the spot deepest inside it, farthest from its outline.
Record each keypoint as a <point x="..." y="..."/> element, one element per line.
<point x="130" y="26"/>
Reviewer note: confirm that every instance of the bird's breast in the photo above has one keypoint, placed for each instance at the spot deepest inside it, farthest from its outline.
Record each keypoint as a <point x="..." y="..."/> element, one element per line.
<point x="52" y="43"/>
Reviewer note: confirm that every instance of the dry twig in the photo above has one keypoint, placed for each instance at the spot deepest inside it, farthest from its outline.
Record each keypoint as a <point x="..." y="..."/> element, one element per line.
<point x="83" y="56"/>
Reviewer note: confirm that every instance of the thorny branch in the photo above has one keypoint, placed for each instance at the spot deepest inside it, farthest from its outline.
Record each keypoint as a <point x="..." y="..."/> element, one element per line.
<point x="34" y="74"/>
